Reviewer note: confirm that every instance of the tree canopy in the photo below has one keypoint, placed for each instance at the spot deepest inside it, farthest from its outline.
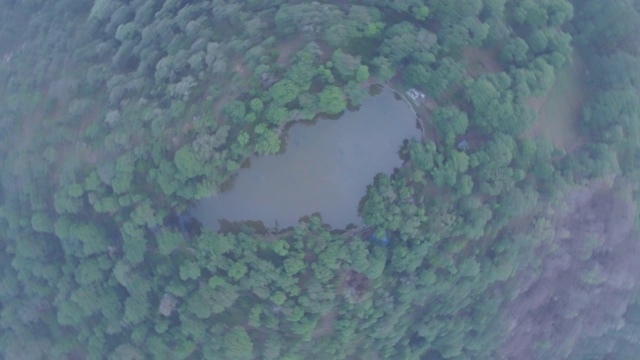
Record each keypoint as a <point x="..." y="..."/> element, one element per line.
<point x="489" y="241"/>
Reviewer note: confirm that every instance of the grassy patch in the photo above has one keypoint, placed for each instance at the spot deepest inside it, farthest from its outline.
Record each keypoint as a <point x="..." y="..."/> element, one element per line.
<point x="560" y="109"/>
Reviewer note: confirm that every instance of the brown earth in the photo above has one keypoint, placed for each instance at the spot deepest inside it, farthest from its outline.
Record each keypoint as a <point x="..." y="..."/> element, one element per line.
<point x="583" y="284"/>
<point x="481" y="61"/>
<point x="560" y="109"/>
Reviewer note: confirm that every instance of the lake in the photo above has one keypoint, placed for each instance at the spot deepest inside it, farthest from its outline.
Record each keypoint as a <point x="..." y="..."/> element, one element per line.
<point x="325" y="169"/>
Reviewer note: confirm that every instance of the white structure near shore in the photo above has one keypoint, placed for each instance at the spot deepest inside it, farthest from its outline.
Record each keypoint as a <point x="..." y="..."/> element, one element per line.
<point x="416" y="96"/>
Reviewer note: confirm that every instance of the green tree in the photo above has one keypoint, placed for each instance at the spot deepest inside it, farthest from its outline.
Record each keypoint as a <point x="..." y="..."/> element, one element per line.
<point x="494" y="107"/>
<point x="450" y="123"/>
<point x="189" y="270"/>
<point x="168" y="241"/>
<point x="135" y="310"/>
<point x="346" y="65"/>
<point x="383" y="69"/>
<point x="41" y="222"/>
<point x="514" y="52"/>
<point x="187" y="163"/>
<point x="127" y="352"/>
<point x="238" y="344"/>
<point x="284" y="92"/>
<point x="420" y="12"/>
<point x="332" y="100"/>
<point x="362" y="74"/>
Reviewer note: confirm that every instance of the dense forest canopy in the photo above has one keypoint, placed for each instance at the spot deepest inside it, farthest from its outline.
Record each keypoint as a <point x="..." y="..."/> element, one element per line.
<point x="117" y="116"/>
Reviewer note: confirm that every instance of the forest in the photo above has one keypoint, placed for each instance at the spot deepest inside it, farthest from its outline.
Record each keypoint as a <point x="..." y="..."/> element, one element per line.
<point x="117" y="116"/>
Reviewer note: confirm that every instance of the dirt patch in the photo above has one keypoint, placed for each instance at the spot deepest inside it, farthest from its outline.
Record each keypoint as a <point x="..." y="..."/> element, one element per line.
<point x="560" y="109"/>
<point x="242" y="71"/>
<point x="583" y="285"/>
<point x="481" y="61"/>
<point x="289" y="47"/>
<point x="217" y="105"/>
<point x="325" y="328"/>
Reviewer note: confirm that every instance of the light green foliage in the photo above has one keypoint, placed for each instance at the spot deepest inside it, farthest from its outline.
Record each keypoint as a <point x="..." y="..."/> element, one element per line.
<point x="383" y="69"/>
<point x="268" y="143"/>
<point x="92" y="270"/>
<point x="307" y="18"/>
<point x="158" y="103"/>
<point x="143" y="214"/>
<point x="356" y="93"/>
<point x="41" y="222"/>
<point x="256" y="105"/>
<point x="127" y="352"/>
<point x="235" y="110"/>
<point x="277" y="114"/>
<point x="460" y="22"/>
<point x="346" y="65"/>
<point x="68" y="313"/>
<point x="514" y="51"/>
<point x="134" y="242"/>
<point x="497" y="153"/>
<point x="400" y="40"/>
<point x="238" y="344"/>
<point x="123" y="177"/>
<point x="293" y="265"/>
<point x="450" y="123"/>
<point x="135" y="310"/>
<point x="543" y="77"/>
<point x="281" y="247"/>
<point x="494" y="108"/>
<point x="332" y="100"/>
<point x="283" y="92"/>
<point x="65" y="203"/>
<point x="361" y="22"/>
<point x="420" y="12"/>
<point x="187" y="163"/>
<point x="362" y="74"/>
<point x="91" y="237"/>
<point x="278" y="298"/>
<point x="434" y="77"/>
<point x="303" y="69"/>
<point x="618" y="105"/>
<point x="358" y="256"/>
<point x="364" y="22"/>
<point x="237" y="271"/>
<point x="189" y="270"/>
<point x="168" y="241"/>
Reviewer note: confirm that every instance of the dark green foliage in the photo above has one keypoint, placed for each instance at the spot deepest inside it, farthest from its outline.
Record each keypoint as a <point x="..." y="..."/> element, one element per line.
<point x="115" y="115"/>
<point x="168" y="241"/>
<point x="450" y="123"/>
<point x="605" y="27"/>
<point x="238" y="345"/>
<point x="494" y="106"/>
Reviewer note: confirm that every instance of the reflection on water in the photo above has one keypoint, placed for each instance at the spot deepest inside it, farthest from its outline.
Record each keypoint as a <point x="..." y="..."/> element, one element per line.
<point x="326" y="169"/>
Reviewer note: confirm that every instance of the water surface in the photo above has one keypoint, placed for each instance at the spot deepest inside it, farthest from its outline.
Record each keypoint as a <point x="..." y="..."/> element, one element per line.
<point x="325" y="169"/>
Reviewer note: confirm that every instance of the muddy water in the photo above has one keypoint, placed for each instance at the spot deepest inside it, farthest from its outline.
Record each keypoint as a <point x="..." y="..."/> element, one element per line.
<point x="325" y="169"/>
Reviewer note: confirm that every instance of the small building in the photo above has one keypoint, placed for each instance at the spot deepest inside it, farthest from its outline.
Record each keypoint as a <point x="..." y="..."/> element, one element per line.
<point x="380" y="239"/>
<point x="463" y="145"/>
<point x="416" y="96"/>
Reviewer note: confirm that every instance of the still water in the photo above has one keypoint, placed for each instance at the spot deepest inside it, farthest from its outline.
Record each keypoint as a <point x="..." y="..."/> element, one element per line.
<point x="325" y="169"/>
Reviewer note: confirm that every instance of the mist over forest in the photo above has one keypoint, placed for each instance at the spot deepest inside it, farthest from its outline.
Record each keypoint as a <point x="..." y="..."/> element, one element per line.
<point x="505" y="227"/>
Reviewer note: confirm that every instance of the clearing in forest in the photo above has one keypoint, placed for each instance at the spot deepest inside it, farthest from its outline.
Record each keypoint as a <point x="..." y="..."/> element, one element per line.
<point x="587" y="270"/>
<point x="287" y="48"/>
<point x="481" y="61"/>
<point x="560" y="109"/>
